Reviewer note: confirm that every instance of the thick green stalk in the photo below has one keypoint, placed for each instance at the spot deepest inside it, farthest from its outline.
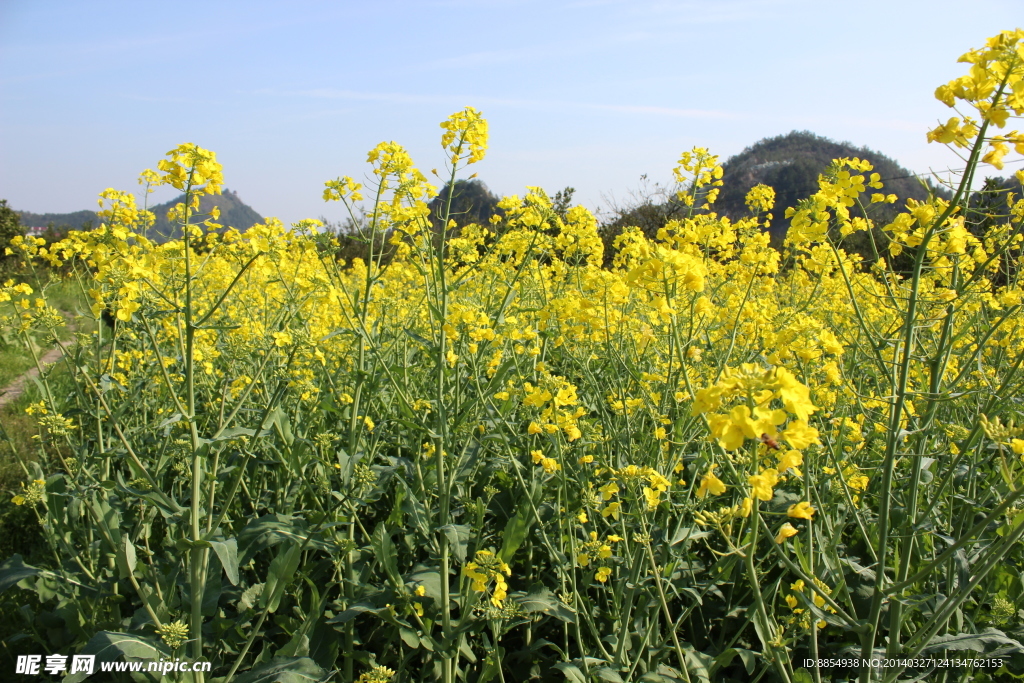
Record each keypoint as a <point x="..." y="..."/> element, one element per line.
<point x="767" y="628"/>
<point x="441" y="298"/>
<point x="669" y="623"/>
<point x="899" y="406"/>
<point x="197" y="555"/>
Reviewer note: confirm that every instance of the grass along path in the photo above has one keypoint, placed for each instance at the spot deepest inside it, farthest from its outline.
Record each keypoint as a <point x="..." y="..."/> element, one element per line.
<point x="15" y="389"/>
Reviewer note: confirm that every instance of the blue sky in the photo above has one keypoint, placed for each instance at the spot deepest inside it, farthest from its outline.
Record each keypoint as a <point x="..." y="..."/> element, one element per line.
<point x="588" y="93"/>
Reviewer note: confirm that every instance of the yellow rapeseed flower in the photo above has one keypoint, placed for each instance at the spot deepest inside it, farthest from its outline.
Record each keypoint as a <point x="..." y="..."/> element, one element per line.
<point x="710" y="483"/>
<point x="801" y="510"/>
<point x="785" y="531"/>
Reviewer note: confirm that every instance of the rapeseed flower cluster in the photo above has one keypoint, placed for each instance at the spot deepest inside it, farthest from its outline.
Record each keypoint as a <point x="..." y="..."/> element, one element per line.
<point x="484" y="569"/>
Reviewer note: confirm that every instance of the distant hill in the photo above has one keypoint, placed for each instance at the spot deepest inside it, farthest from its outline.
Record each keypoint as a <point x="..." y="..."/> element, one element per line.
<point x="78" y="220"/>
<point x="791" y="164"/>
<point x="472" y="202"/>
<point x="234" y="213"/>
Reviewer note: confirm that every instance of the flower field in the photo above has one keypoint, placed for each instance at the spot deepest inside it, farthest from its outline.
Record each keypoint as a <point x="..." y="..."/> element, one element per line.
<point x="497" y="453"/>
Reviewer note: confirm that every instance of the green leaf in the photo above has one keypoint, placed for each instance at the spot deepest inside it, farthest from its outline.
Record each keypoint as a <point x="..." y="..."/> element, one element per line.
<point x="491" y="664"/>
<point x="284" y="670"/>
<point x="227" y="553"/>
<point x="606" y="674"/>
<point x="14" y="570"/>
<point x="409" y="637"/>
<point x="354" y="610"/>
<point x="688" y="533"/>
<point x="279" y="419"/>
<point x="571" y="672"/>
<point x="186" y="544"/>
<point x="699" y="663"/>
<point x="233" y="432"/>
<point x="384" y="550"/>
<point x="724" y="659"/>
<point x="126" y="559"/>
<point x="298" y="646"/>
<point x="170" y="420"/>
<point x="108" y="646"/>
<point x="417" y="338"/>
<point x="540" y="599"/>
<point x="516" y="530"/>
<point x="978" y="642"/>
<point x="161" y="501"/>
<point x="458" y="538"/>
<point x="270" y="530"/>
<point x="802" y="676"/>
<point x="280" y="574"/>
<point x="250" y="597"/>
<point x="429" y="578"/>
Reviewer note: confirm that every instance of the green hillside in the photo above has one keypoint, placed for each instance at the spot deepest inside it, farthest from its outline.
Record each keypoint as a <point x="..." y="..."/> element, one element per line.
<point x="790" y="164"/>
<point x="77" y="220"/>
<point x="234" y="213"/>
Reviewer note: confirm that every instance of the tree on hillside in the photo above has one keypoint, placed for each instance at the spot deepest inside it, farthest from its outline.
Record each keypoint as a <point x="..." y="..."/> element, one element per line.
<point x="988" y="208"/>
<point x="10" y="226"/>
<point x="234" y="213"/>
<point x="471" y="202"/>
<point x="790" y="164"/>
<point x="61" y="222"/>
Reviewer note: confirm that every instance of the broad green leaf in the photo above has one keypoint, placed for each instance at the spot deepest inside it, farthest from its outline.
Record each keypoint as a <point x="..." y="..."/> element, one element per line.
<point x="802" y="676"/>
<point x="176" y="417"/>
<point x="297" y="646"/>
<point x="409" y="637"/>
<point x="458" y="539"/>
<point x="126" y="559"/>
<point x="429" y="578"/>
<point x="108" y="646"/>
<point x="160" y="500"/>
<point x="270" y="530"/>
<point x="227" y="553"/>
<point x="688" y="533"/>
<point x="279" y="418"/>
<point x="384" y="550"/>
<point x="516" y="530"/>
<point x="748" y="657"/>
<point x="284" y="670"/>
<point x="978" y="642"/>
<point x="607" y="674"/>
<point x="233" y="432"/>
<point x="571" y="672"/>
<point x="14" y="570"/>
<point x="541" y="599"/>
<point x="698" y="663"/>
<point x="280" y="574"/>
<point x="250" y="597"/>
<point x="491" y="664"/>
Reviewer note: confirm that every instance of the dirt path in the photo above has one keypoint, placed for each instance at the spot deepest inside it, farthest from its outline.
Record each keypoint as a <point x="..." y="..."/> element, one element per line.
<point x="16" y="388"/>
